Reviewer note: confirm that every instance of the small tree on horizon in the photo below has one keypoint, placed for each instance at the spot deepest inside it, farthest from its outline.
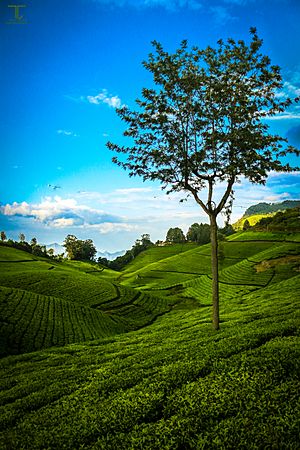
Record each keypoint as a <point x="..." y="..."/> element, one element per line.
<point x="175" y="235"/>
<point x="204" y="124"/>
<point x="22" y="237"/>
<point x="246" y="225"/>
<point x="3" y="236"/>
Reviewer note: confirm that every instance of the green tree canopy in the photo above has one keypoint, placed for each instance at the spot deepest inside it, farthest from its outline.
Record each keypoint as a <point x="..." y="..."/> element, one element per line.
<point x="175" y="235"/>
<point x="204" y="123"/>
<point x="246" y="225"/>
<point x="78" y="249"/>
<point x="22" y="237"/>
<point x="33" y="241"/>
<point x="199" y="232"/>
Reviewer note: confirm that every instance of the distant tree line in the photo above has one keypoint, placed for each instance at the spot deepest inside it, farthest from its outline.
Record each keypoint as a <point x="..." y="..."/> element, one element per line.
<point x="198" y="233"/>
<point x="85" y="250"/>
<point x="139" y="246"/>
<point x="32" y="247"/>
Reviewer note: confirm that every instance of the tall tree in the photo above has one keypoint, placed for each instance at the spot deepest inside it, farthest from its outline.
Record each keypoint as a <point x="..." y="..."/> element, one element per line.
<point x="78" y="249"/>
<point x="22" y="237"/>
<point x="199" y="233"/>
<point x="33" y="242"/>
<point x="204" y="124"/>
<point x="3" y="236"/>
<point x="175" y="235"/>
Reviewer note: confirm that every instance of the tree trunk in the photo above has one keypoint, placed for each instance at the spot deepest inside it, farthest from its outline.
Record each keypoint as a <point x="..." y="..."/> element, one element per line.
<point x="214" y="271"/>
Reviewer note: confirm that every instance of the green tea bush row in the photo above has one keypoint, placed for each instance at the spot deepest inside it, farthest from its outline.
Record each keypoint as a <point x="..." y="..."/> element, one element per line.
<point x="31" y="321"/>
<point x="244" y="273"/>
<point x="174" y="385"/>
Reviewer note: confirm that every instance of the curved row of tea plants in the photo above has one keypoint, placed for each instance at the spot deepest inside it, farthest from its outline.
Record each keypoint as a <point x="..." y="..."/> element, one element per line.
<point x="32" y="321"/>
<point x="176" y="384"/>
<point x="44" y="304"/>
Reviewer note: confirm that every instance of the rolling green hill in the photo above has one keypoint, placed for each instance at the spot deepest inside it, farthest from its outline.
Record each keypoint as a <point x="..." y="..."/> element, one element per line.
<point x="253" y="220"/>
<point x="176" y="384"/>
<point x="266" y="210"/>
<point x="45" y="303"/>
<point x="143" y="368"/>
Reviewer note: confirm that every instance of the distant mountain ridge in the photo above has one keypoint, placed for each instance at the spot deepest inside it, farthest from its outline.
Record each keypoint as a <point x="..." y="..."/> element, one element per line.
<point x="110" y="256"/>
<point x="58" y="249"/>
<point x="268" y="208"/>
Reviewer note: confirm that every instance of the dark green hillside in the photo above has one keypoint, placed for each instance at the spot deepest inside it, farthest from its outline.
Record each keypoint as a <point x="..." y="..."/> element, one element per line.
<point x="267" y="208"/>
<point x="31" y="321"/>
<point x="174" y="385"/>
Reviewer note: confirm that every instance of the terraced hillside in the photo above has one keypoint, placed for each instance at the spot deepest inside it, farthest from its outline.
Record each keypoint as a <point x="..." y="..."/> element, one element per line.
<point x="175" y="384"/>
<point x="188" y="275"/>
<point x="45" y="303"/>
<point x="157" y="253"/>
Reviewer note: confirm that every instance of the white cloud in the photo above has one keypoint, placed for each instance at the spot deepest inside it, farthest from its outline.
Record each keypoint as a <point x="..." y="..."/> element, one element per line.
<point x="285" y="116"/>
<point x="16" y="209"/>
<point x="291" y="175"/>
<point x="62" y="223"/>
<point x="108" y="227"/>
<point x="104" y="97"/>
<point x="60" y="213"/>
<point x="291" y="88"/>
<point x="129" y="191"/>
<point x="67" y="133"/>
<point x="221" y="15"/>
<point x="278" y="197"/>
<point x="288" y="90"/>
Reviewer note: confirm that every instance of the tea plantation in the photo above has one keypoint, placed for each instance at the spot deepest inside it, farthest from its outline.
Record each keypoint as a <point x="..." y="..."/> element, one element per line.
<point x="44" y="303"/>
<point x="130" y="361"/>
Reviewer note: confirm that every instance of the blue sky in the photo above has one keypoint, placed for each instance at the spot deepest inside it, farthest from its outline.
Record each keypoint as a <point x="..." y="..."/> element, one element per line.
<point x="65" y="67"/>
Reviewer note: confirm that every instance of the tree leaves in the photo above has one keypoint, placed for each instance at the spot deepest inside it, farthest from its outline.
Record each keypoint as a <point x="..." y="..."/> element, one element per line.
<point x="205" y="120"/>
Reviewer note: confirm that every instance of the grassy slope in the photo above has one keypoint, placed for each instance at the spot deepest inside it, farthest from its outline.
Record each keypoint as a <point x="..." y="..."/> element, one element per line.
<point x="177" y="383"/>
<point x="188" y="274"/>
<point x="43" y="303"/>
<point x="253" y="219"/>
<point x="174" y="385"/>
<point x="155" y="254"/>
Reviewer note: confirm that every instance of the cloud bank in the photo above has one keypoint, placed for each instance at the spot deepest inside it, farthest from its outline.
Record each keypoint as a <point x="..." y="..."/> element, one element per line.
<point x="116" y="218"/>
<point x="57" y="212"/>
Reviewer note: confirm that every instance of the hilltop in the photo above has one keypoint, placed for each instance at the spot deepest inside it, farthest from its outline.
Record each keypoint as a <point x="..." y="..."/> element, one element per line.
<point x="264" y="210"/>
<point x="268" y="208"/>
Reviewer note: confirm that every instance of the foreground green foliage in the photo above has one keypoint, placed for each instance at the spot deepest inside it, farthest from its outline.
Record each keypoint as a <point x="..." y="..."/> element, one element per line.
<point x="174" y="385"/>
<point x="173" y="382"/>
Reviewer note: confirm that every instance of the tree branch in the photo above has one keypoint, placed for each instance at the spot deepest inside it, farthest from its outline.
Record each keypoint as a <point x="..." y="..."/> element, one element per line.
<point x="226" y="195"/>
<point x="198" y="200"/>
